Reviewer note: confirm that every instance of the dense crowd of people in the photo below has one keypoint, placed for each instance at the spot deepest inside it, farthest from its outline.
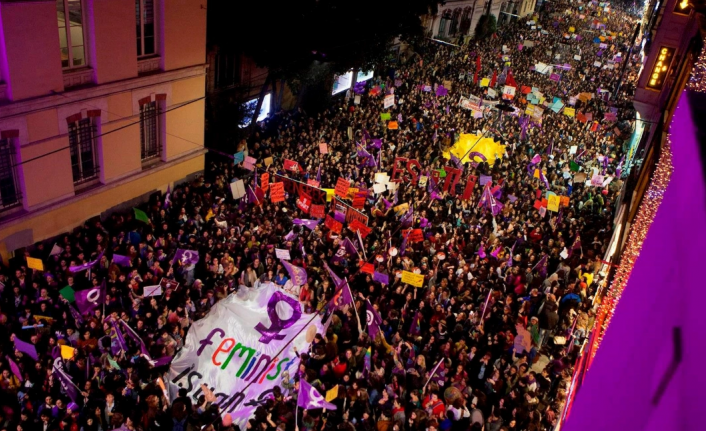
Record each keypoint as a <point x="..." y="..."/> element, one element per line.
<point x="507" y="298"/>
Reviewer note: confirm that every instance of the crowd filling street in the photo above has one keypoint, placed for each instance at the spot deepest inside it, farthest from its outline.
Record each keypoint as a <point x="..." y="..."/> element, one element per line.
<point x="487" y="341"/>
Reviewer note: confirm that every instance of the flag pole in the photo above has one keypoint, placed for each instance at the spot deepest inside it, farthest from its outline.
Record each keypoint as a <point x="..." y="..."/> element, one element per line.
<point x="485" y="306"/>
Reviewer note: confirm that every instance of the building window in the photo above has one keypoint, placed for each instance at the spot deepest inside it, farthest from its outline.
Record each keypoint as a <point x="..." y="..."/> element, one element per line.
<point x="82" y="142"/>
<point x="71" y="41"/>
<point x="144" y="17"/>
<point x="149" y="129"/>
<point x="10" y="194"/>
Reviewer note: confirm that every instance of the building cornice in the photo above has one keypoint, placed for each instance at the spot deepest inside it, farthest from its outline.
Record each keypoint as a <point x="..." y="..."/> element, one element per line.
<point x="24" y="107"/>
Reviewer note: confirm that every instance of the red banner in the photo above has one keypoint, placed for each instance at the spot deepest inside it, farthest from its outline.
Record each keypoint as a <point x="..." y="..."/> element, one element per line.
<point x="291" y="165"/>
<point x="304" y="202"/>
<point x="357" y="225"/>
<point x="333" y="225"/>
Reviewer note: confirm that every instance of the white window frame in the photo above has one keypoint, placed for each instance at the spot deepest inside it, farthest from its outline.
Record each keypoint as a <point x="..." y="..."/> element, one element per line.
<point x="67" y="29"/>
<point x="142" y="29"/>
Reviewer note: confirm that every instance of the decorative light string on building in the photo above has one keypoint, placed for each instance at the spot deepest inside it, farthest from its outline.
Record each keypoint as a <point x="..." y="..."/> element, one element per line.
<point x="697" y="81"/>
<point x="645" y="215"/>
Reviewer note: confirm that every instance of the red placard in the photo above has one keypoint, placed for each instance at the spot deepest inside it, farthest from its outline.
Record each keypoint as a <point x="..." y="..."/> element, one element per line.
<point x="277" y="192"/>
<point x="304" y="202"/>
<point x="342" y="186"/>
<point x="317" y="211"/>
<point x="265" y="181"/>
<point x="416" y="236"/>
<point x="368" y="268"/>
<point x="291" y="165"/>
<point x="332" y="224"/>
<point x="312" y="183"/>
<point x="359" y="203"/>
<point x="537" y="204"/>
<point x="357" y="225"/>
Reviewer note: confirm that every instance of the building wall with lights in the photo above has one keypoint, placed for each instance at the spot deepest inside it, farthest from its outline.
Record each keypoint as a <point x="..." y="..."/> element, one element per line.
<point x="101" y="102"/>
<point x="456" y="20"/>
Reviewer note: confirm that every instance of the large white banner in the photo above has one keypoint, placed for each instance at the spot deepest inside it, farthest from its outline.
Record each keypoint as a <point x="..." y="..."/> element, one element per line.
<point x="238" y="350"/>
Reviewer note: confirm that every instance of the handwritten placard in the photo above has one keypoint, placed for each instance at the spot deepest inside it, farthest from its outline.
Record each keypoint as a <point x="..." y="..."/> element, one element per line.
<point x="342" y="186"/>
<point x="416" y="280"/>
<point x="277" y="192"/>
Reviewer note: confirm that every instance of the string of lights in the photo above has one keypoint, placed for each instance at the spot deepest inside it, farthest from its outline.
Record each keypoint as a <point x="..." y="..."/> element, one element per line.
<point x="697" y="81"/>
<point x="645" y="215"/>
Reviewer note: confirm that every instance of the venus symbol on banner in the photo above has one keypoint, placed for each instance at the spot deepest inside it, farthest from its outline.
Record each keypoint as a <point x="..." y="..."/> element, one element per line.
<point x="243" y="348"/>
<point x="277" y="325"/>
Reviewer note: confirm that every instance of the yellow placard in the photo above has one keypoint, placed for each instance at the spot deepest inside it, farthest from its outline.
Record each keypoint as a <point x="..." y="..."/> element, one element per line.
<point x="571" y="29"/>
<point x="530" y="110"/>
<point x="542" y="99"/>
<point x="35" y="264"/>
<point x="553" y="203"/>
<point x="67" y="352"/>
<point x="484" y="82"/>
<point x="330" y="193"/>
<point x="413" y="279"/>
<point x="332" y="394"/>
<point x="570" y="112"/>
<point x="536" y="173"/>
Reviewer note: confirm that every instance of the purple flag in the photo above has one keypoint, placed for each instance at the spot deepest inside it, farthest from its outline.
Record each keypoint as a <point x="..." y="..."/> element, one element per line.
<point x="407" y="218"/>
<point x="121" y="260"/>
<point x="85" y="266"/>
<point x="339" y="216"/>
<point x="298" y="275"/>
<point x="495" y="252"/>
<point x="15" y="369"/>
<point x="536" y="159"/>
<point x="441" y="91"/>
<point x="619" y="169"/>
<point x="481" y="251"/>
<point x="380" y="277"/>
<point x="291" y="236"/>
<point x="88" y="299"/>
<point x="403" y="246"/>
<point x="168" y="197"/>
<point x="376" y="143"/>
<point x="336" y="279"/>
<point x="136" y="338"/>
<point x="373" y="319"/>
<point x="485" y="179"/>
<point x="341" y="298"/>
<point x="318" y="175"/>
<point x="65" y="381"/>
<point x="544" y="179"/>
<point x="186" y="257"/>
<point x="27" y="348"/>
<point x="117" y="341"/>
<point x="542" y="265"/>
<point x="350" y="248"/>
<point x="456" y="161"/>
<point x="309" y="398"/>
<point x="165" y="360"/>
<point x="416" y="327"/>
<point x="309" y="224"/>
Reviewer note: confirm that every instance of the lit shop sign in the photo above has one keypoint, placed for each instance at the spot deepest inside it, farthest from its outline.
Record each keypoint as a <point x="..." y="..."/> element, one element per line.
<point x="682" y="7"/>
<point x="660" y="68"/>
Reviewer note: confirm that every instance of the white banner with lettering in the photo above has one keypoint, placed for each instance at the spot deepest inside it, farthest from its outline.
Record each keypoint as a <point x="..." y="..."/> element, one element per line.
<point x="238" y="350"/>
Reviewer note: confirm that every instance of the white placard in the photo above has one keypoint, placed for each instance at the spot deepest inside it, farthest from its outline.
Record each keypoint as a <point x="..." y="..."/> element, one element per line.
<point x="282" y="254"/>
<point x="238" y="189"/>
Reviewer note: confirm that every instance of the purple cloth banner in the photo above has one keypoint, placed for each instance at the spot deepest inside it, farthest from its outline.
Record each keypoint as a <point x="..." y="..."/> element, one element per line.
<point x="350" y="248"/>
<point x="298" y="275"/>
<point x="85" y="266"/>
<point x="27" y="348"/>
<point x="309" y="398"/>
<point x="485" y="179"/>
<point x="309" y="224"/>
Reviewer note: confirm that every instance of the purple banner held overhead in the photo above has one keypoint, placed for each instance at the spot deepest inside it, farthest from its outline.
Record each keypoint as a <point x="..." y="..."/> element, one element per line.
<point x="309" y="224"/>
<point x="85" y="266"/>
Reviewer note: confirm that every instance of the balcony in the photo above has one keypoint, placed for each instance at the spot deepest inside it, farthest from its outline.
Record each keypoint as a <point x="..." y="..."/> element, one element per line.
<point x="148" y="65"/>
<point x="78" y="77"/>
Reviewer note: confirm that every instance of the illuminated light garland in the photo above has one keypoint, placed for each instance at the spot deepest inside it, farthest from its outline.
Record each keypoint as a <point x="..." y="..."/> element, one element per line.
<point x="697" y="81"/>
<point x="645" y="215"/>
